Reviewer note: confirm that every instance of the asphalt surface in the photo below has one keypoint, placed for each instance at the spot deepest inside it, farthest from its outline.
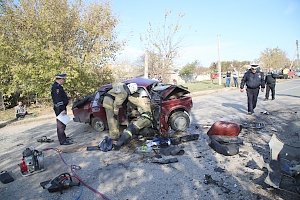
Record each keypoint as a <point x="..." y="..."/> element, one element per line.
<point x="130" y="175"/>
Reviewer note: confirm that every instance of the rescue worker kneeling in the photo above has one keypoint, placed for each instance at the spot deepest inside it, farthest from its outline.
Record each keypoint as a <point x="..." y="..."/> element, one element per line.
<point x="113" y="101"/>
<point x="142" y="102"/>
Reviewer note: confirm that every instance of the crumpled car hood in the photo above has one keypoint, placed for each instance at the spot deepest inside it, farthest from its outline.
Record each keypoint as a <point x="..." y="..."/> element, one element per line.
<point x="168" y="91"/>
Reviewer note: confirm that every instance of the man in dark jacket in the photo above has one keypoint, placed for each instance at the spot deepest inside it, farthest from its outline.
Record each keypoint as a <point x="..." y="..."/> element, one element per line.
<point x="254" y="80"/>
<point x="60" y="102"/>
<point x="270" y="81"/>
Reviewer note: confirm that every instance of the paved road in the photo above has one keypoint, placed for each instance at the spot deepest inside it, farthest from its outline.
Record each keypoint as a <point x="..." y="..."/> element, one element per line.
<point x="126" y="175"/>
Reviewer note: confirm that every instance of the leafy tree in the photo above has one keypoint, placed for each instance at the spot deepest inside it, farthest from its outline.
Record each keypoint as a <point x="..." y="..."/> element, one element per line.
<point x="39" y="38"/>
<point x="273" y="58"/>
<point x="162" y="44"/>
<point x="188" y="71"/>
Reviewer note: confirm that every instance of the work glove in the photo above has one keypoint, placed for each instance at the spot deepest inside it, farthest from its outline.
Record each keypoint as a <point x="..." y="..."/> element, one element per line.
<point x="116" y="111"/>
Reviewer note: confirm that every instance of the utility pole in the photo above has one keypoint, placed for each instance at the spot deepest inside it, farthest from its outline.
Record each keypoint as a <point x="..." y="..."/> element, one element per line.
<point x="219" y="61"/>
<point x="146" y="65"/>
<point x="297" y="50"/>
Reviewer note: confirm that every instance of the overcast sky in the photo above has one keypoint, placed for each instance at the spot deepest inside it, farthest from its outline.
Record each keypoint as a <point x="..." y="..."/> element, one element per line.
<point x="246" y="27"/>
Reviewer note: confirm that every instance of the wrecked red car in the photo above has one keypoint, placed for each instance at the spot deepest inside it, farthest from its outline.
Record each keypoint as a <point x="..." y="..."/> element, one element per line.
<point x="170" y="106"/>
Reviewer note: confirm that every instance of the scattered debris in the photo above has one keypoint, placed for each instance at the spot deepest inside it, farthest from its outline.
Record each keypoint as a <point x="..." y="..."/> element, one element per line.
<point x="244" y="154"/>
<point x="185" y="138"/>
<point x="254" y="125"/>
<point x="227" y="149"/>
<point x="219" y="169"/>
<point x="209" y="180"/>
<point x="284" y="167"/>
<point x="45" y="139"/>
<point x="265" y="112"/>
<point x="223" y="128"/>
<point x="164" y="160"/>
<point x="171" y="150"/>
<point x="106" y="144"/>
<point x="252" y="164"/>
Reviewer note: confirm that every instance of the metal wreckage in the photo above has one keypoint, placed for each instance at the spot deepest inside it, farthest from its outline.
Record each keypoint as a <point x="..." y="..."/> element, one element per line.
<point x="284" y="167"/>
<point x="283" y="170"/>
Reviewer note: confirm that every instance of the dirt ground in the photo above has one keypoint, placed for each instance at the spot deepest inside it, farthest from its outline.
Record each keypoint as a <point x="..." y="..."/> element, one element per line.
<point x="129" y="175"/>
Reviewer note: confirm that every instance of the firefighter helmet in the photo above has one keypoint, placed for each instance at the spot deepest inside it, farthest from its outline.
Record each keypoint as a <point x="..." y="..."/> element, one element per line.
<point x="132" y="87"/>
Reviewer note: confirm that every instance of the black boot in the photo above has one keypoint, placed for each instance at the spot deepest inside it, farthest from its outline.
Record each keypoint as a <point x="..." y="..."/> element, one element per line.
<point x="124" y="138"/>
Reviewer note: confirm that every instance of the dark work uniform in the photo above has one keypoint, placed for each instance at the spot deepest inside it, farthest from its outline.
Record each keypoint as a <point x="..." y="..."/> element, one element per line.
<point x="60" y="102"/>
<point x="253" y="81"/>
<point x="270" y="81"/>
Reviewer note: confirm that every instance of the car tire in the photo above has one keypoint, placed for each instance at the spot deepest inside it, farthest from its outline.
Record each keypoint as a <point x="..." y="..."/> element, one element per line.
<point x="98" y="124"/>
<point x="179" y="121"/>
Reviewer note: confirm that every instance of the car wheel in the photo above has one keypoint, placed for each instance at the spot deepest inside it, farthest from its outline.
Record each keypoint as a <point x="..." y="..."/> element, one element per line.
<point x="98" y="124"/>
<point x="179" y="121"/>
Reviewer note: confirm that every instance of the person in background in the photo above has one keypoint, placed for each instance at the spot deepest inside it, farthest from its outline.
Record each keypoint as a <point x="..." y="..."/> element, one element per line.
<point x="60" y="102"/>
<point x="285" y="72"/>
<point x="254" y="80"/>
<point x="270" y="81"/>
<point x="228" y="78"/>
<point x="235" y="76"/>
<point x="20" y="110"/>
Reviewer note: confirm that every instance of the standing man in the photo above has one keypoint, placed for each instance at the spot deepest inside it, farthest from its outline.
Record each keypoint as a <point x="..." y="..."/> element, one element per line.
<point x="60" y="102"/>
<point x="254" y="80"/>
<point x="112" y="102"/>
<point x="270" y="81"/>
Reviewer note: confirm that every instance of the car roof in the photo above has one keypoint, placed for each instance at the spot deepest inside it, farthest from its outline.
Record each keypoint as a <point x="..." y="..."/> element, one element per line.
<point x="140" y="81"/>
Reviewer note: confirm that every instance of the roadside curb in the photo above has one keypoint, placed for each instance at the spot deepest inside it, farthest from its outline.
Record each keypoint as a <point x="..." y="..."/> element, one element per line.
<point x="206" y="92"/>
<point x="23" y="121"/>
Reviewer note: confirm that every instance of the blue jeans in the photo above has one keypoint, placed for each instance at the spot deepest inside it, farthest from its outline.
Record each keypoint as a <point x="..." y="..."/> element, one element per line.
<point x="236" y="83"/>
<point x="227" y="81"/>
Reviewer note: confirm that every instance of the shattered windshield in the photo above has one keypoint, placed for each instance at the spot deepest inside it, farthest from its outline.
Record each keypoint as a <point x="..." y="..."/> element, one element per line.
<point x="161" y="87"/>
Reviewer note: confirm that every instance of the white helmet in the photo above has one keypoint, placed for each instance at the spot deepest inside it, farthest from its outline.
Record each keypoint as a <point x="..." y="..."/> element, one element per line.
<point x="142" y="93"/>
<point x="132" y="87"/>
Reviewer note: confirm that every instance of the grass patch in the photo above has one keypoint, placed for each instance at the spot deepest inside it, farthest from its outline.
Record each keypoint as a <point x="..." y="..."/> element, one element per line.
<point x="203" y="85"/>
<point x="9" y="114"/>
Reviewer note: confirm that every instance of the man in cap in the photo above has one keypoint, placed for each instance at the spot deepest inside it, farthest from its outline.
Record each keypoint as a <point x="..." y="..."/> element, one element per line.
<point x="60" y="102"/>
<point x="254" y="80"/>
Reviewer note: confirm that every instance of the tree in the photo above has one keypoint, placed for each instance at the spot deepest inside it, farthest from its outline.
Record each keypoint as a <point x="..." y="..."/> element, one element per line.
<point x="188" y="71"/>
<point x="162" y="45"/>
<point x="273" y="58"/>
<point x="39" y="38"/>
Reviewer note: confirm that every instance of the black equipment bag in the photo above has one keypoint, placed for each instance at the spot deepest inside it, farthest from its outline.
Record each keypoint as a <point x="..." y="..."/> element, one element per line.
<point x="59" y="183"/>
<point x="5" y="177"/>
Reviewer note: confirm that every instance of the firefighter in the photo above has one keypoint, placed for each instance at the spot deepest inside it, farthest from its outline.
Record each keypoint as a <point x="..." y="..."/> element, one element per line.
<point x="144" y="120"/>
<point x="60" y="102"/>
<point x="113" y="101"/>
